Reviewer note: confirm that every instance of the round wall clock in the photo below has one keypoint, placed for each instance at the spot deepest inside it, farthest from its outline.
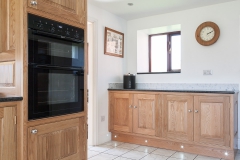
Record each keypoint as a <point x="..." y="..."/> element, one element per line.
<point x="207" y="33"/>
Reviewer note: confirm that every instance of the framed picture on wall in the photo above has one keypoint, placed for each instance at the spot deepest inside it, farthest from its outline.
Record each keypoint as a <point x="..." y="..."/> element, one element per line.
<point x="113" y="43"/>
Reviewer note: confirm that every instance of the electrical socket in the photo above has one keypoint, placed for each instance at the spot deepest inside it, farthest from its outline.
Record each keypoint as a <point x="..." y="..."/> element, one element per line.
<point x="102" y="118"/>
<point x="207" y="72"/>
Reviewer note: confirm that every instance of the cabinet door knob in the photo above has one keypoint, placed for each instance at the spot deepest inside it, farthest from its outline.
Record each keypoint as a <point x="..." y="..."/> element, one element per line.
<point x="34" y="131"/>
<point x="33" y="3"/>
<point x="189" y="110"/>
<point x="196" y="111"/>
<point x="135" y="107"/>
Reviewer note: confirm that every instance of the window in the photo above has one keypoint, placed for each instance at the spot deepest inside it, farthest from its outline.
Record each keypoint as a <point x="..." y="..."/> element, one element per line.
<point x="165" y="52"/>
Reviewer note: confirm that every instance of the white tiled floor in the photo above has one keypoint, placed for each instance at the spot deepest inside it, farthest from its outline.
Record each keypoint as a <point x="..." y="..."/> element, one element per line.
<point x="126" y="151"/>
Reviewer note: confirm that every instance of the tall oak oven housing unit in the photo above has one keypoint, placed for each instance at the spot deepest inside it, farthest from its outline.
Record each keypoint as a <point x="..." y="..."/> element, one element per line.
<point x="55" y="68"/>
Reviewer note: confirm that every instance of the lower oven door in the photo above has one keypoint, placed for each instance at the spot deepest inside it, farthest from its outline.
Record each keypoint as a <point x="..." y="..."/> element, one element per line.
<point x="54" y="91"/>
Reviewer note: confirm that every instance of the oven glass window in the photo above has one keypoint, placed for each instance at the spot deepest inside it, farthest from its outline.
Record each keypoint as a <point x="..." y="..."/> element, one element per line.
<point x="57" y="88"/>
<point x="57" y="49"/>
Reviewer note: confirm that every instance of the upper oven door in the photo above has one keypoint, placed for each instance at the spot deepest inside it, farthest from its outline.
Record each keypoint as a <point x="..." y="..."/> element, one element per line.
<point x="51" y="49"/>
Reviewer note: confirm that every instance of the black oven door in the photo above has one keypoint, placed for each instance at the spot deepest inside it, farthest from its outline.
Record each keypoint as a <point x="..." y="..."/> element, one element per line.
<point x="54" y="91"/>
<point x="51" y="49"/>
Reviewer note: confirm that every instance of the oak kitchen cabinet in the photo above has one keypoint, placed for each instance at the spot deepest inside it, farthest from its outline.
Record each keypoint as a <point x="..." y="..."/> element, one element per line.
<point x="8" y="131"/>
<point x="207" y="120"/>
<point x="212" y="120"/>
<point x="60" y="140"/>
<point x="73" y="10"/>
<point x="132" y="113"/>
<point x="199" y="123"/>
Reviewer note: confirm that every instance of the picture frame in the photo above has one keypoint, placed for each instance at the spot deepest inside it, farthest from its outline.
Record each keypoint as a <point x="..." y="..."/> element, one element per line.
<point x="113" y="43"/>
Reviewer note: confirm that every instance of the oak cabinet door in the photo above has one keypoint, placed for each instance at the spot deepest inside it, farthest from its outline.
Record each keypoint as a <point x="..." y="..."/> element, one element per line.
<point x="121" y="112"/>
<point x="8" y="133"/>
<point x="144" y="114"/>
<point x="211" y="120"/>
<point x="62" y="140"/>
<point x="178" y="117"/>
<point x="74" y="10"/>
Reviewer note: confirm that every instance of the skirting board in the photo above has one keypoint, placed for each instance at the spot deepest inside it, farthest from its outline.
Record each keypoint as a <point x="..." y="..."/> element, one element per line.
<point x="103" y="138"/>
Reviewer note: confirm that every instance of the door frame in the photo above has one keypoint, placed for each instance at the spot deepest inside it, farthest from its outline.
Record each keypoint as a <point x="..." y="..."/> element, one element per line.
<point x="93" y="126"/>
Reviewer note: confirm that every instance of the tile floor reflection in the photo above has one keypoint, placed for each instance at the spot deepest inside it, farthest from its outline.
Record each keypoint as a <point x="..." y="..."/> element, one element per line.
<point x="126" y="151"/>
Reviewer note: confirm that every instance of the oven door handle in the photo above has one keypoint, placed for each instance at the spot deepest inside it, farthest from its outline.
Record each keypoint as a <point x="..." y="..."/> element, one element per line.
<point x="58" y="67"/>
<point x="37" y="32"/>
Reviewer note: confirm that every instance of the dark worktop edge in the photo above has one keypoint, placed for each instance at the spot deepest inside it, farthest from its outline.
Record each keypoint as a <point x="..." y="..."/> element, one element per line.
<point x="186" y="91"/>
<point x="10" y="98"/>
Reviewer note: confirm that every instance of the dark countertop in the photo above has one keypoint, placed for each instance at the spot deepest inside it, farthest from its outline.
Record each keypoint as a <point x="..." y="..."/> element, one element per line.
<point x="4" y="98"/>
<point x="188" y="91"/>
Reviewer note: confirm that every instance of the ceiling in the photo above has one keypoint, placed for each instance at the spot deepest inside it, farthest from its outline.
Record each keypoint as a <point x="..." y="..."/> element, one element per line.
<point x="144" y="8"/>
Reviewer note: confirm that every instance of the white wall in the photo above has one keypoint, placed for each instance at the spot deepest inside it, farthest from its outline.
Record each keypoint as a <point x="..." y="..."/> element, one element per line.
<point x="109" y="68"/>
<point x="223" y="57"/>
<point x="142" y="50"/>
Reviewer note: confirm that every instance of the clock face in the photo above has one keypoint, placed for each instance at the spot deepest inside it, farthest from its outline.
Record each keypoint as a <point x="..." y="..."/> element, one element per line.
<point x="207" y="33"/>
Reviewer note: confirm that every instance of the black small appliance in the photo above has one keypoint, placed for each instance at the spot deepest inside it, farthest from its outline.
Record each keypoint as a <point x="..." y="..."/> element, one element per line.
<point x="129" y="81"/>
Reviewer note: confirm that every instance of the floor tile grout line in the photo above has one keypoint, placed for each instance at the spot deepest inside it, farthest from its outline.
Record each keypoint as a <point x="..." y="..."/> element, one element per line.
<point x="93" y="156"/>
<point x="129" y="150"/>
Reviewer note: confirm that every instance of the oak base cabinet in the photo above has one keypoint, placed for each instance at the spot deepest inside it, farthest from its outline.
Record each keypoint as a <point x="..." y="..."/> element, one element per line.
<point x="212" y="120"/>
<point x="199" y="123"/>
<point x="62" y="140"/>
<point x="8" y="132"/>
<point x="132" y="113"/>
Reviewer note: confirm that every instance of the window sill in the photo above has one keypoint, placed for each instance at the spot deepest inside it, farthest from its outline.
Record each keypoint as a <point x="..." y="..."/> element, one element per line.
<point x="178" y="71"/>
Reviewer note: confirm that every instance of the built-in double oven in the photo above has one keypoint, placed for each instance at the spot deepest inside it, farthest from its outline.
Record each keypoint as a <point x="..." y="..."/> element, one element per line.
<point x="55" y="68"/>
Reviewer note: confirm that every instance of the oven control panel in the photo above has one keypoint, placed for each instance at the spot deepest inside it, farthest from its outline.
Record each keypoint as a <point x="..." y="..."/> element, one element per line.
<point x="54" y="27"/>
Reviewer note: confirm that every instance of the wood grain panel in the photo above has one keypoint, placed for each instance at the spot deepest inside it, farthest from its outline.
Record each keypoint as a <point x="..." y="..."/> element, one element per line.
<point x="144" y="114"/>
<point x="8" y="133"/>
<point x="82" y="139"/>
<point x="7" y="73"/>
<point x="178" y="117"/>
<point x="73" y="10"/>
<point x="211" y="122"/>
<point x="8" y="25"/>
<point x="83" y="11"/>
<point x="69" y="142"/>
<point x="158" y="116"/>
<point x="122" y="112"/>
<point x="4" y="25"/>
<point x="120" y="116"/>
<point x="70" y="5"/>
<point x="12" y="24"/>
<point x="60" y="140"/>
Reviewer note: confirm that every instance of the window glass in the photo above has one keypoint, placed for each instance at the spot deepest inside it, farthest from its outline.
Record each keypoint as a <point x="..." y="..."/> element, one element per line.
<point x="176" y="52"/>
<point x="159" y="53"/>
